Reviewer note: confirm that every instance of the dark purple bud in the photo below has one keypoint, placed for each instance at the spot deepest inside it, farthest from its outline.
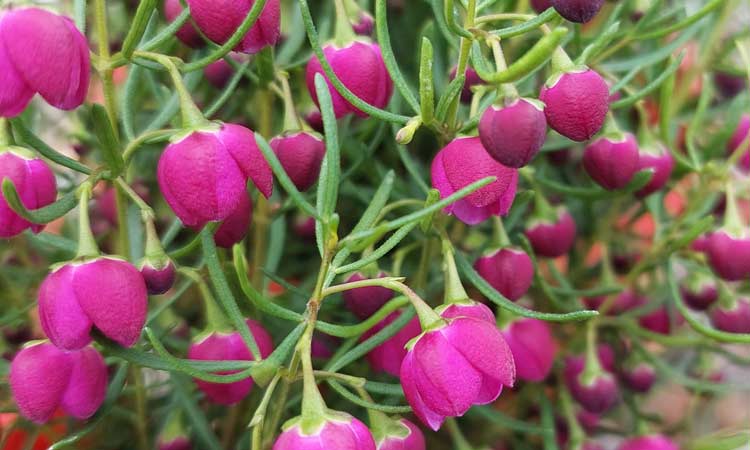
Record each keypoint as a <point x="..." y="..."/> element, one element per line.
<point x="732" y="320"/>
<point x="315" y="120"/>
<point x="159" y="277"/>
<point x="234" y="228"/>
<point x="612" y="162"/>
<point x="301" y="155"/>
<point x="699" y="293"/>
<point x="304" y="227"/>
<point x="552" y="239"/>
<point x="365" y="301"/>
<point x="588" y="420"/>
<point x="580" y="11"/>
<point x="472" y="79"/>
<point x="364" y="24"/>
<point x="514" y="133"/>
<point x="659" y="321"/>
<point x="219" y="72"/>
<point x="508" y="270"/>
<point x="576" y="102"/>
<point x="597" y="394"/>
<point x="729" y="85"/>
<point x="559" y="157"/>
<point x="639" y="378"/>
<point x="660" y="162"/>
<point x="541" y="5"/>
<point x="739" y="136"/>
<point x="728" y="256"/>
<point x="178" y="443"/>
<point x="187" y="32"/>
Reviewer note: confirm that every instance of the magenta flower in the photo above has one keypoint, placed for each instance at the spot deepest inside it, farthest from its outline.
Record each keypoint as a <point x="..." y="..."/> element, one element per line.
<point x="513" y="134"/>
<point x="106" y="293"/>
<point x="533" y="348"/>
<point x="612" y="162"/>
<point x="658" y="161"/>
<point x="178" y="443"/>
<point x="552" y="239"/>
<point x="387" y="356"/>
<point x="597" y="395"/>
<point x="659" y="321"/>
<point x="463" y="162"/>
<point x="203" y="176"/>
<point x="339" y="430"/>
<point x="365" y="301"/>
<point x="652" y="442"/>
<point x="364" y="25"/>
<point x="639" y="378"/>
<point x="41" y="52"/>
<point x="410" y="437"/>
<point x="43" y="378"/>
<point x="218" y="346"/>
<point x="728" y="256"/>
<point x="187" y="32"/>
<point x="219" y="72"/>
<point x="35" y="184"/>
<point x="699" y="293"/>
<point x="732" y="320"/>
<point x="576" y="103"/>
<point x="469" y="308"/>
<point x="234" y="228"/>
<point x="220" y="19"/>
<point x="580" y="11"/>
<point x="508" y="270"/>
<point x="361" y="68"/>
<point x="301" y="155"/>
<point x="448" y="369"/>
<point x="158" y="278"/>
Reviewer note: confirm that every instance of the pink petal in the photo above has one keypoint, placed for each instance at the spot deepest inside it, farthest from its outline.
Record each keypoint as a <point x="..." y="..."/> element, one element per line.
<point x="62" y="318"/>
<point x="408" y="382"/>
<point x="88" y="384"/>
<point x="241" y="145"/>
<point x="15" y="94"/>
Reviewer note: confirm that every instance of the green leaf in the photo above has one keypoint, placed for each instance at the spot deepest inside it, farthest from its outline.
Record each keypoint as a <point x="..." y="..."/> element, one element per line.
<point x="529" y="25"/>
<point x="451" y="92"/>
<point x="651" y="87"/>
<point x="45" y="150"/>
<point x="229" y="89"/>
<point x="384" y="40"/>
<point x="108" y="142"/>
<point x="42" y="215"/>
<point x="601" y="41"/>
<point x="665" y="31"/>
<point x="330" y="169"/>
<point x="168" y="32"/>
<point x="344" y="392"/>
<point x="426" y="89"/>
<point x="137" y="27"/>
<point x="640" y="180"/>
<point x="194" y="415"/>
<point x="381" y="251"/>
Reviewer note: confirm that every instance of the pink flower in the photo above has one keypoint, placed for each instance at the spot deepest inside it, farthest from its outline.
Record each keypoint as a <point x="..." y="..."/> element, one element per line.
<point x="639" y="378"/>
<point x="658" y="161"/>
<point x="361" y="68"/>
<point x="728" y="256"/>
<point x="410" y="438"/>
<point x="508" y="270"/>
<point x="659" y="321"/>
<point x="448" y="369"/>
<point x="106" y="293"/>
<point x="234" y="228"/>
<point x="597" y="395"/>
<point x="580" y="11"/>
<point x="553" y="239"/>
<point x="203" y="176"/>
<point x="41" y="52"/>
<point x="732" y="320"/>
<point x="36" y="187"/>
<point x="220" y="19"/>
<point x="339" y="431"/>
<point x="387" y="356"/>
<point x="365" y="301"/>
<point x="301" y="155"/>
<point x="178" y="443"/>
<point x="533" y="348"/>
<point x="219" y="72"/>
<point x="652" y="442"/>
<point x="513" y="134"/>
<point x="612" y="162"/>
<point x="576" y="103"/>
<point x="187" y="32"/>
<point x="159" y="279"/>
<point x="43" y="378"/>
<point x="229" y="347"/>
<point x="700" y="293"/>
<point x="465" y="161"/>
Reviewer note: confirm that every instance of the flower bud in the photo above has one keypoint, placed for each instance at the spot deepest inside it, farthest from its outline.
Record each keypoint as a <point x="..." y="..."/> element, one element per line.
<point x="580" y="11"/>
<point x="732" y="320"/>
<point x="728" y="256"/>
<point x="178" y="443"/>
<point x="203" y="176"/>
<point x="387" y="356"/>
<point x="612" y="162"/>
<point x="588" y="420"/>
<point x="639" y="378"/>
<point x="159" y="276"/>
<point x="659" y="161"/>
<point x="465" y="161"/>
<point x="513" y="134"/>
<point x="220" y="21"/>
<point x="35" y="184"/>
<point x="106" y="293"/>
<point x="541" y="5"/>
<point x="361" y="68"/>
<point x="445" y="372"/>
<point x="304" y="227"/>
<point x="234" y="228"/>
<point x="533" y="348"/>
<point x="576" y="102"/>
<point x="41" y="52"/>
<point x="469" y="308"/>
<point x="508" y="270"/>
<point x="597" y="395"/>
<point x="338" y="430"/>
<point x="472" y="79"/>
<point x="659" y="321"/>
<point x="651" y="442"/>
<point x="218" y="346"/>
<point x="301" y="155"/>
<point x="729" y="85"/>
<point x="365" y="301"/>
<point x="43" y="378"/>
<point x="699" y="293"/>
<point x="735" y="142"/>
<point x="552" y="239"/>
<point x="408" y="437"/>
<point x="590" y="445"/>
<point x="219" y="72"/>
<point x="365" y="24"/>
<point x="187" y="32"/>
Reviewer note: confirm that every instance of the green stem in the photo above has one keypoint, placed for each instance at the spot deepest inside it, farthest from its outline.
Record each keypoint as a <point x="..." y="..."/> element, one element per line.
<point x="428" y="318"/>
<point x="216" y="321"/>
<point x="577" y="435"/>
<point x="561" y="62"/>
<point x="313" y="405"/>
<point x="593" y="367"/>
<point x="292" y="122"/>
<point x="459" y="440"/>
<point x="140" y="406"/>
<point x="506" y="91"/>
<point x="344" y="33"/>
<point x="261" y="211"/>
<point x="732" y="218"/>
<point x="86" y="243"/>
<point x="454" y="290"/>
<point x="5" y="136"/>
<point x="500" y="238"/>
<point x="463" y="59"/>
<point x="105" y="72"/>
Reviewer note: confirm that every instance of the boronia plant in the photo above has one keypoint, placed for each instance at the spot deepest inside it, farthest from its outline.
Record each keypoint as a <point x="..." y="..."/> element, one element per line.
<point x="374" y="224"/>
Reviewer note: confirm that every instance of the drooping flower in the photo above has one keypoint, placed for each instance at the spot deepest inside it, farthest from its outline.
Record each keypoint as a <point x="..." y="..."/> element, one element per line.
<point x="338" y="430"/>
<point x="387" y="356"/>
<point x="407" y="437"/>
<point x="533" y="348"/>
<point x="508" y="270"/>
<point x="552" y="239"/>
<point x="612" y="162"/>
<point x="513" y="133"/>
<point x="301" y="155"/>
<point x="576" y="102"/>
<point x="35" y="184"/>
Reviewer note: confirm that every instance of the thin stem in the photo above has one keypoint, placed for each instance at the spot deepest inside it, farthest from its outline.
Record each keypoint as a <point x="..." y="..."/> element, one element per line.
<point x="142" y="205"/>
<point x="500" y="238"/>
<point x="592" y="367"/>
<point x="732" y="217"/>
<point x="454" y="290"/>
<point x="292" y="122"/>
<point x="261" y="213"/>
<point x="344" y="32"/>
<point x="5" y="136"/>
<point x="140" y="407"/>
<point x="216" y="321"/>
<point x="86" y="243"/>
<point x="105" y="72"/>
<point x="506" y="91"/>
<point x="382" y="282"/>
<point x="427" y="316"/>
<point x="463" y="59"/>
<point x="459" y="440"/>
